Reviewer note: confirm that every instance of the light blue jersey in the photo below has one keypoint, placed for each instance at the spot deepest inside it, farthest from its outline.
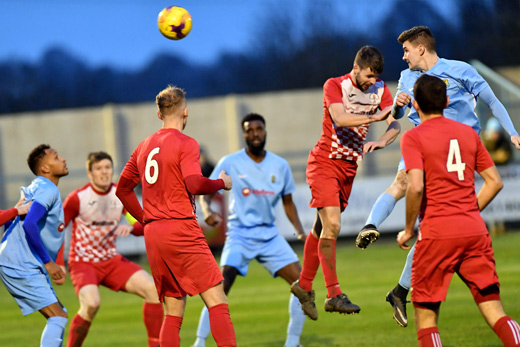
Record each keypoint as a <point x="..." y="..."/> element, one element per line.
<point x="257" y="188"/>
<point x="15" y="252"/>
<point x="463" y="86"/>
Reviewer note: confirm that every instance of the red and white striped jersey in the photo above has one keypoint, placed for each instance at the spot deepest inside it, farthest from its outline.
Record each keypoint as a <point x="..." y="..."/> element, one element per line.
<point x="95" y="217"/>
<point x="347" y="142"/>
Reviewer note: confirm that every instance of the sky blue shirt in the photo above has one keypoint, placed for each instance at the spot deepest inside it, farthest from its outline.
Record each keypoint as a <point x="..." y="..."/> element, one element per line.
<point x="14" y="249"/>
<point x="463" y="86"/>
<point x="257" y="188"/>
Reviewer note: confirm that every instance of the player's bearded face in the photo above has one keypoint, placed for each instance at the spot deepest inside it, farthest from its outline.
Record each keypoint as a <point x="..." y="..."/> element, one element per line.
<point x="365" y="78"/>
<point x="55" y="163"/>
<point x="255" y="136"/>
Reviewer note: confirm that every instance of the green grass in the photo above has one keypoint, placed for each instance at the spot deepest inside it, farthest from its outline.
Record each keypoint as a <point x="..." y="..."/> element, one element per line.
<point x="259" y="307"/>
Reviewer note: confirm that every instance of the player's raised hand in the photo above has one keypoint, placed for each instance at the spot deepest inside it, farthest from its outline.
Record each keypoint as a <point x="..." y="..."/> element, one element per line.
<point x="123" y="230"/>
<point x="403" y="237"/>
<point x="213" y="219"/>
<point x="371" y="146"/>
<point x="402" y="99"/>
<point x="228" y="183"/>
<point x="55" y="272"/>
<point x="23" y="209"/>
<point x="515" y="139"/>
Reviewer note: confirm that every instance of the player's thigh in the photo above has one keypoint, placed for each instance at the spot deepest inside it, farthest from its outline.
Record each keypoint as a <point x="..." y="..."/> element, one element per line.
<point x="141" y="283"/>
<point x="238" y="253"/>
<point x="175" y="306"/>
<point x="434" y="263"/>
<point x="276" y="254"/>
<point x="89" y="296"/>
<point x="31" y="289"/>
<point x="477" y="268"/>
<point x="214" y="296"/>
<point x="330" y="217"/>
<point x="121" y="270"/>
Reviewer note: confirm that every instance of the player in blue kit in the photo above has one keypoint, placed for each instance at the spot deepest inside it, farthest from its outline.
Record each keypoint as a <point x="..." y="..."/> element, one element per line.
<point x="260" y="180"/>
<point x="30" y="245"/>
<point x="464" y="86"/>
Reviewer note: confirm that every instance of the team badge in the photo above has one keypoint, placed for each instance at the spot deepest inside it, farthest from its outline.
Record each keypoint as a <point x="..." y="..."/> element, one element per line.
<point x="447" y="82"/>
<point x="246" y="191"/>
<point x="273" y="178"/>
<point x="61" y="227"/>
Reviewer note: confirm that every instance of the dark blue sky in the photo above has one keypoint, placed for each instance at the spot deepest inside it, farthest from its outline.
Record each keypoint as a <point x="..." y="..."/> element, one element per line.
<point x="124" y="34"/>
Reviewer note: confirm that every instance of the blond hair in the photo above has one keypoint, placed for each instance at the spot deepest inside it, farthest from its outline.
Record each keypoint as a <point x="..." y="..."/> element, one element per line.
<point x="170" y="99"/>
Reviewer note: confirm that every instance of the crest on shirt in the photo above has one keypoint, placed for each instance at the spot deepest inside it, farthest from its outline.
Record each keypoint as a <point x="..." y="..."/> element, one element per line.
<point x="273" y="178"/>
<point x="447" y="82"/>
<point x="61" y="227"/>
<point x="246" y="191"/>
<point x="373" y="97"/>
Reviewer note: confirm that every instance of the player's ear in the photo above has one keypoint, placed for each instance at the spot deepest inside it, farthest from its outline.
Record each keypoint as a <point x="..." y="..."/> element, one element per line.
<point x="185" y="112"/>
<point x="415" y="105"/>
<point x="422" y="49"/>
<point x="447" y="101"/>
<point x="159" y="115"/>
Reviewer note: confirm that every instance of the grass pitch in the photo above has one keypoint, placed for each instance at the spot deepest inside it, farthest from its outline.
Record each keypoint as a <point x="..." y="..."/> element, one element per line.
<point x="259" y="306"/>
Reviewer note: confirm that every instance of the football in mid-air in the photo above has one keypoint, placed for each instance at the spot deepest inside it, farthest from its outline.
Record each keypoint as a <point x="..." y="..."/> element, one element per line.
<point x="174" y="22"/>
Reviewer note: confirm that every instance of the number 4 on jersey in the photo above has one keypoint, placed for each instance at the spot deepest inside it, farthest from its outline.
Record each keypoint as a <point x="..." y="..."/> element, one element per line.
<point x="454" y="163"/>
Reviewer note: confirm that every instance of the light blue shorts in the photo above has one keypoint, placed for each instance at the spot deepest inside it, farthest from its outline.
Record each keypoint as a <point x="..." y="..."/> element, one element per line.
<point x="273" y="254"/>
<point x="401" y="165"/>
<point x="31" y="289"/>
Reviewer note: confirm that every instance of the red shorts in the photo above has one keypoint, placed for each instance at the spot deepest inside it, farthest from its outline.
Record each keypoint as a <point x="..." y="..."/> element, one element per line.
<point x="435" y="262"/>
<point x="180" y="259"/>
<point x="112" y="273"/>
<point x="330" y="181"/>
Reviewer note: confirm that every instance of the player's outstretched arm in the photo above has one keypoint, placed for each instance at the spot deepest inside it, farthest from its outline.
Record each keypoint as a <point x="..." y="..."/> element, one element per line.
<point x="492" y="185"/>
<point x="346" y="119"/>
<point x="391" y="133"/>
<point x="414" y="195"/>
<point x="210" y="217"/>
<point x="292" y="214"/>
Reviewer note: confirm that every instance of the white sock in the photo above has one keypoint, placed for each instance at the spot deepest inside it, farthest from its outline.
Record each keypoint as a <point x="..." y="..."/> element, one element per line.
<point x="296" y="322"/>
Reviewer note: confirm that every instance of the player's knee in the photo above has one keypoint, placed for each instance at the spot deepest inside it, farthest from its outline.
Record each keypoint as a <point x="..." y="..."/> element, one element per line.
<point x="90" y="308"/>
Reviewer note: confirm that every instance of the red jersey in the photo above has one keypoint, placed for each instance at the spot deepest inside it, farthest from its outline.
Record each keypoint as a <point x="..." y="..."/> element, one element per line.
<point x="347" y="142"/>
<point x="160" y="163"/>
<point x="448" y="152"/>
<point x="95" y="217"/>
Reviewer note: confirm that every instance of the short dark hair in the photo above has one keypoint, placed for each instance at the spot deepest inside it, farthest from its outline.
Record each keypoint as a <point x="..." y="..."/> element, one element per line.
<point x="95" y="157"/>
<point x="251" y="117"/>
<point x="35" y="157"/>
<point x="369" y="56"/>
<point x="430" y="93"/>
<point x="419" y="35"/>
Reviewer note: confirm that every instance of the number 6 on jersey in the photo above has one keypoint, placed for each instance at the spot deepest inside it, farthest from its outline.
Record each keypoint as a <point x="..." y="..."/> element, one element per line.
<point x="152" y="163"/>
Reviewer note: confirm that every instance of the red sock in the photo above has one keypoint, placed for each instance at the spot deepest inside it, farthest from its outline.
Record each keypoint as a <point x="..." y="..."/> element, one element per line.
<point x="221" y="326"/>
<point x="429" y="337"/>
<point x="508" y="331"/>
<point x="153" y="315"/>
<point x="327" y="255"/>
<point x="78" y="331"/>
<point x="169" y="336"/>
<point x="311" y="262"/>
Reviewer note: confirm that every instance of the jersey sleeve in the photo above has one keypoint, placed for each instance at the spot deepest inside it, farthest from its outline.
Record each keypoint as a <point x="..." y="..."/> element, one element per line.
<point x="7" y="215"/>
<point x="473" y="82"/>
<point x="289" y="186"/>
<point x="331" y="92"/>
<point x="71" y="207"/>
<point x="386" y="99"/>
<point x="483" y="160"/>
<point x="131" y="171"/>
<point x="411" y="150"/>
<point x="190" y="159"/>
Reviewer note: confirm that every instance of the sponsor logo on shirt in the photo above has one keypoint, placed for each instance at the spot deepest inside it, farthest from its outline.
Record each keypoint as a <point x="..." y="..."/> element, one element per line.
<point x="61" y="227"/>
<point x="103" y="223"/>
<point x="246" y="191"/>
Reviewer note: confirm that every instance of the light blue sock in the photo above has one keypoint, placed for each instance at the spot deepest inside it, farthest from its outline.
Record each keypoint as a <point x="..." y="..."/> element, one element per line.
<point x="382" y="208"/>
<point x="296" y="321"/>
<point x="203" y="329"/>
<point x="52" y="335"/>
<point x="406" y="276"/>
